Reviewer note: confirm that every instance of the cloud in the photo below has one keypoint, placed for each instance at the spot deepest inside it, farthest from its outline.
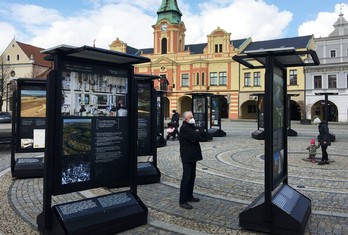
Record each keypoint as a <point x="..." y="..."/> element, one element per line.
<point x="322" y="26"/>
<point x="6" y="37"/>
<point x="241" y="18"/>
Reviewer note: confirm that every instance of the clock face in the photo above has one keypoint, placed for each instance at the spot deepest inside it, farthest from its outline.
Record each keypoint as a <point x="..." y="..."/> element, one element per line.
<point x="164" y="27"/>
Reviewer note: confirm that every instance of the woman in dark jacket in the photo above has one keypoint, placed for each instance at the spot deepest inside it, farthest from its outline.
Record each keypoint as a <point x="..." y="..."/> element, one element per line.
<point x="323" y="139"/>
<point x="190" y="153"/>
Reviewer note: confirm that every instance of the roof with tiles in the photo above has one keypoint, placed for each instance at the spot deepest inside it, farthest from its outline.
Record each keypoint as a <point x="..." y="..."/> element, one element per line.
<point x="30" y="50"/>
<point x="193" y="48"/>
<point x="296" y="42"/>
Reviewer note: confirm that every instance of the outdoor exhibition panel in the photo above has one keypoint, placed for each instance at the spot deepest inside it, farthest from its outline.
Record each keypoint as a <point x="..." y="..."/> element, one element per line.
<point x="147" y="172"/>
<point x="280" y="209"/>
<point x="200" y="113"/>
<point x="91" y="136"/>
<point x="259" y="134"/>
<point x="28" y="127"/>
<point x="215" y="116"/>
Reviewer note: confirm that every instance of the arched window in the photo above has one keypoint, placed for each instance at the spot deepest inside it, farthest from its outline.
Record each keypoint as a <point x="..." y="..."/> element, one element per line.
<point x="203" y="82"/>
<point x="197" y="78"/>
<point x="164" y="46"/>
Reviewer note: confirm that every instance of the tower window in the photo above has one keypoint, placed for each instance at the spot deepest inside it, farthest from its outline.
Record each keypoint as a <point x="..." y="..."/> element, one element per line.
<point x="164" y="46"/>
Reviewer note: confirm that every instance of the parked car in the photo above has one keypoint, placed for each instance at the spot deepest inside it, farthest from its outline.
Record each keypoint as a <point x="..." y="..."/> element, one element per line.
<point x="5" y="117"/>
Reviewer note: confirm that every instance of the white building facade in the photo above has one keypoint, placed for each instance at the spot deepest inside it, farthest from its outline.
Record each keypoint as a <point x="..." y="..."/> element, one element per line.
<point x="330" y="77"/>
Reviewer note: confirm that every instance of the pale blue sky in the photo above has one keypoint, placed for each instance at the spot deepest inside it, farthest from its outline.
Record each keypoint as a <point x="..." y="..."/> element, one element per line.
<point x="47" y="23"/>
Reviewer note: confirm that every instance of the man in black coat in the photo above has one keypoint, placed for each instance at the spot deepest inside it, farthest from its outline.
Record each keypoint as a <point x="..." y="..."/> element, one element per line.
<point x="190" y="153"/>
<point x="324" y="140"/>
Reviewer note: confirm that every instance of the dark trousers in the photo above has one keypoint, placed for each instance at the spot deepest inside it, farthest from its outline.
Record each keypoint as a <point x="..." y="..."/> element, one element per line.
<point x="187" y="181"/>
<point x="324" y="156"/>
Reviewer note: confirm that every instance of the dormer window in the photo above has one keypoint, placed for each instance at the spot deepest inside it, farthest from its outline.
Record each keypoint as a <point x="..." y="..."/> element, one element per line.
<point x="218" y="48"/>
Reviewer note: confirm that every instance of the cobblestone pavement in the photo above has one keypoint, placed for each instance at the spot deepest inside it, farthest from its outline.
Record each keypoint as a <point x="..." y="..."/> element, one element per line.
<point x="229" y="178"/>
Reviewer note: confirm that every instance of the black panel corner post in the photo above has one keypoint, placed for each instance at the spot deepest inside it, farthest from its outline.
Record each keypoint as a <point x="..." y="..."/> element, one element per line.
<point x="45" y="219"/>
<point x="153" y="101"/>
<point x="14" y="128"/>
<point x="133" y="131"/>
<point x="268" y="122"/>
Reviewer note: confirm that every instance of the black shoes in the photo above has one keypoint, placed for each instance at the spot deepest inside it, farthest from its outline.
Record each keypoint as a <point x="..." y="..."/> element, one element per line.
<point x="323" y="162"/>
<point x="194" y="199"/>
<point x="185" y="206"/>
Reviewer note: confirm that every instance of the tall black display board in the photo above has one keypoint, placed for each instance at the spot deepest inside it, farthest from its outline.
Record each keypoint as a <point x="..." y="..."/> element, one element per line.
<point x="28" y="127"/>
<point x="90" y="137"/>
<point x="280" y="209"/>
<point x="259" y="134"/>
<point x="215" y="116"/>
<point x="148" y="171"/>
<point x="200" y="113"/>
<point x="290" y="131"/>
<point x="160" y="140"/>
<point x="326" y="110"/>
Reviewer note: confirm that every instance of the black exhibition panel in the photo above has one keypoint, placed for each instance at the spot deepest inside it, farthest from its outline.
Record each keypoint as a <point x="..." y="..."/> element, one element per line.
<point x="91" y="136"/>
<point x="326" y="110"/>
<point x="280" y="209"/>
<point x="160" y="140"/>
<point x="147" y="171"/>
<point x="290" y="131"/>
<point x="215" y="116"/>
<point x="200" y="113"/>
<point x="259" y="134"/>
<point x="28" y="127"/>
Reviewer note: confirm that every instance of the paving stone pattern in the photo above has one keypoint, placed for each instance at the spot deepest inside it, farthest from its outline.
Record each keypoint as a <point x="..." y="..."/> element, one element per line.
<point x="229" y="178"/>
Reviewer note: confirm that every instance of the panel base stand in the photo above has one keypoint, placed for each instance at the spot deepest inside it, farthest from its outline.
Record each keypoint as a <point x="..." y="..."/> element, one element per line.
<point x="289" y="211"/>
<point x="291" y="132"/>
<point x="107" y="214"/>
<point x="28" y="168"/>
<point x="148" y="173"/>
<point x="216" y="132"/>
<point x="258" y="134"/>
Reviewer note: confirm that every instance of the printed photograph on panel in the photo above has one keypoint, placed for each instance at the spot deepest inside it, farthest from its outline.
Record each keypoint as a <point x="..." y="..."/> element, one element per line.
<point x="77" y="136"/>
<point x="33" y="103"/>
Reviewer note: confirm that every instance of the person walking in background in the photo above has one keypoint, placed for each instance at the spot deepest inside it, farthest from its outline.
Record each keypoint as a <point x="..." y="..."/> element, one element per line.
<point x="312" y="148"/>
<point x="190" y="153"/>
<point x="324" y="140"/>
<point x="175" y="121"/>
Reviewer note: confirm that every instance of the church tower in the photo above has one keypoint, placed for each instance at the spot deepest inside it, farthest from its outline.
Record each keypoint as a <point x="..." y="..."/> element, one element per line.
<point x="169" y="30"/>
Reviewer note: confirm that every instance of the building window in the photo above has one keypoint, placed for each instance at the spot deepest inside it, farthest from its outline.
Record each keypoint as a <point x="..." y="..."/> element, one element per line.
<point x="185" y="80"/>
<point x="203" y="79"/>
<point x="293" y="77"/>
<point x="257" y="79"/>
<point x="17" y="57"/>
<point x="197" y="78"/>
<point x="247" y="79"/>
<point x="332" y="81"/>
<point x="332" y="53"/>
<point x="222" y="78"/>
<point x="317" y="82"/>
<point x="8" y="57"/>
<point x="218" y="48"/>
<point x="251" y="108"/>
<point x="213" y="78"/>
<point x="164" y="46"/>
<point x="347" y="80"/>
<point x="163" y="82"/>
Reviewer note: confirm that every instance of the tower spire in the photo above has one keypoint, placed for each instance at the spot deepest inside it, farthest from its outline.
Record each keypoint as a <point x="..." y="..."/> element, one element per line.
<point x="169" y="10"/>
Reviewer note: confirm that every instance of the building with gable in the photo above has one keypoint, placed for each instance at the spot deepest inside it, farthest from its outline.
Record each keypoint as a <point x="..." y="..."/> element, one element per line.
<point x="209" y="68"/>
<point x="331" y="76"/>
<point x="20" y="60"/>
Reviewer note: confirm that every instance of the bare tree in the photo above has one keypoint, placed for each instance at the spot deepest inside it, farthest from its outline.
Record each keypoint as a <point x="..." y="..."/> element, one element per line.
<point x="305" y="109"/>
